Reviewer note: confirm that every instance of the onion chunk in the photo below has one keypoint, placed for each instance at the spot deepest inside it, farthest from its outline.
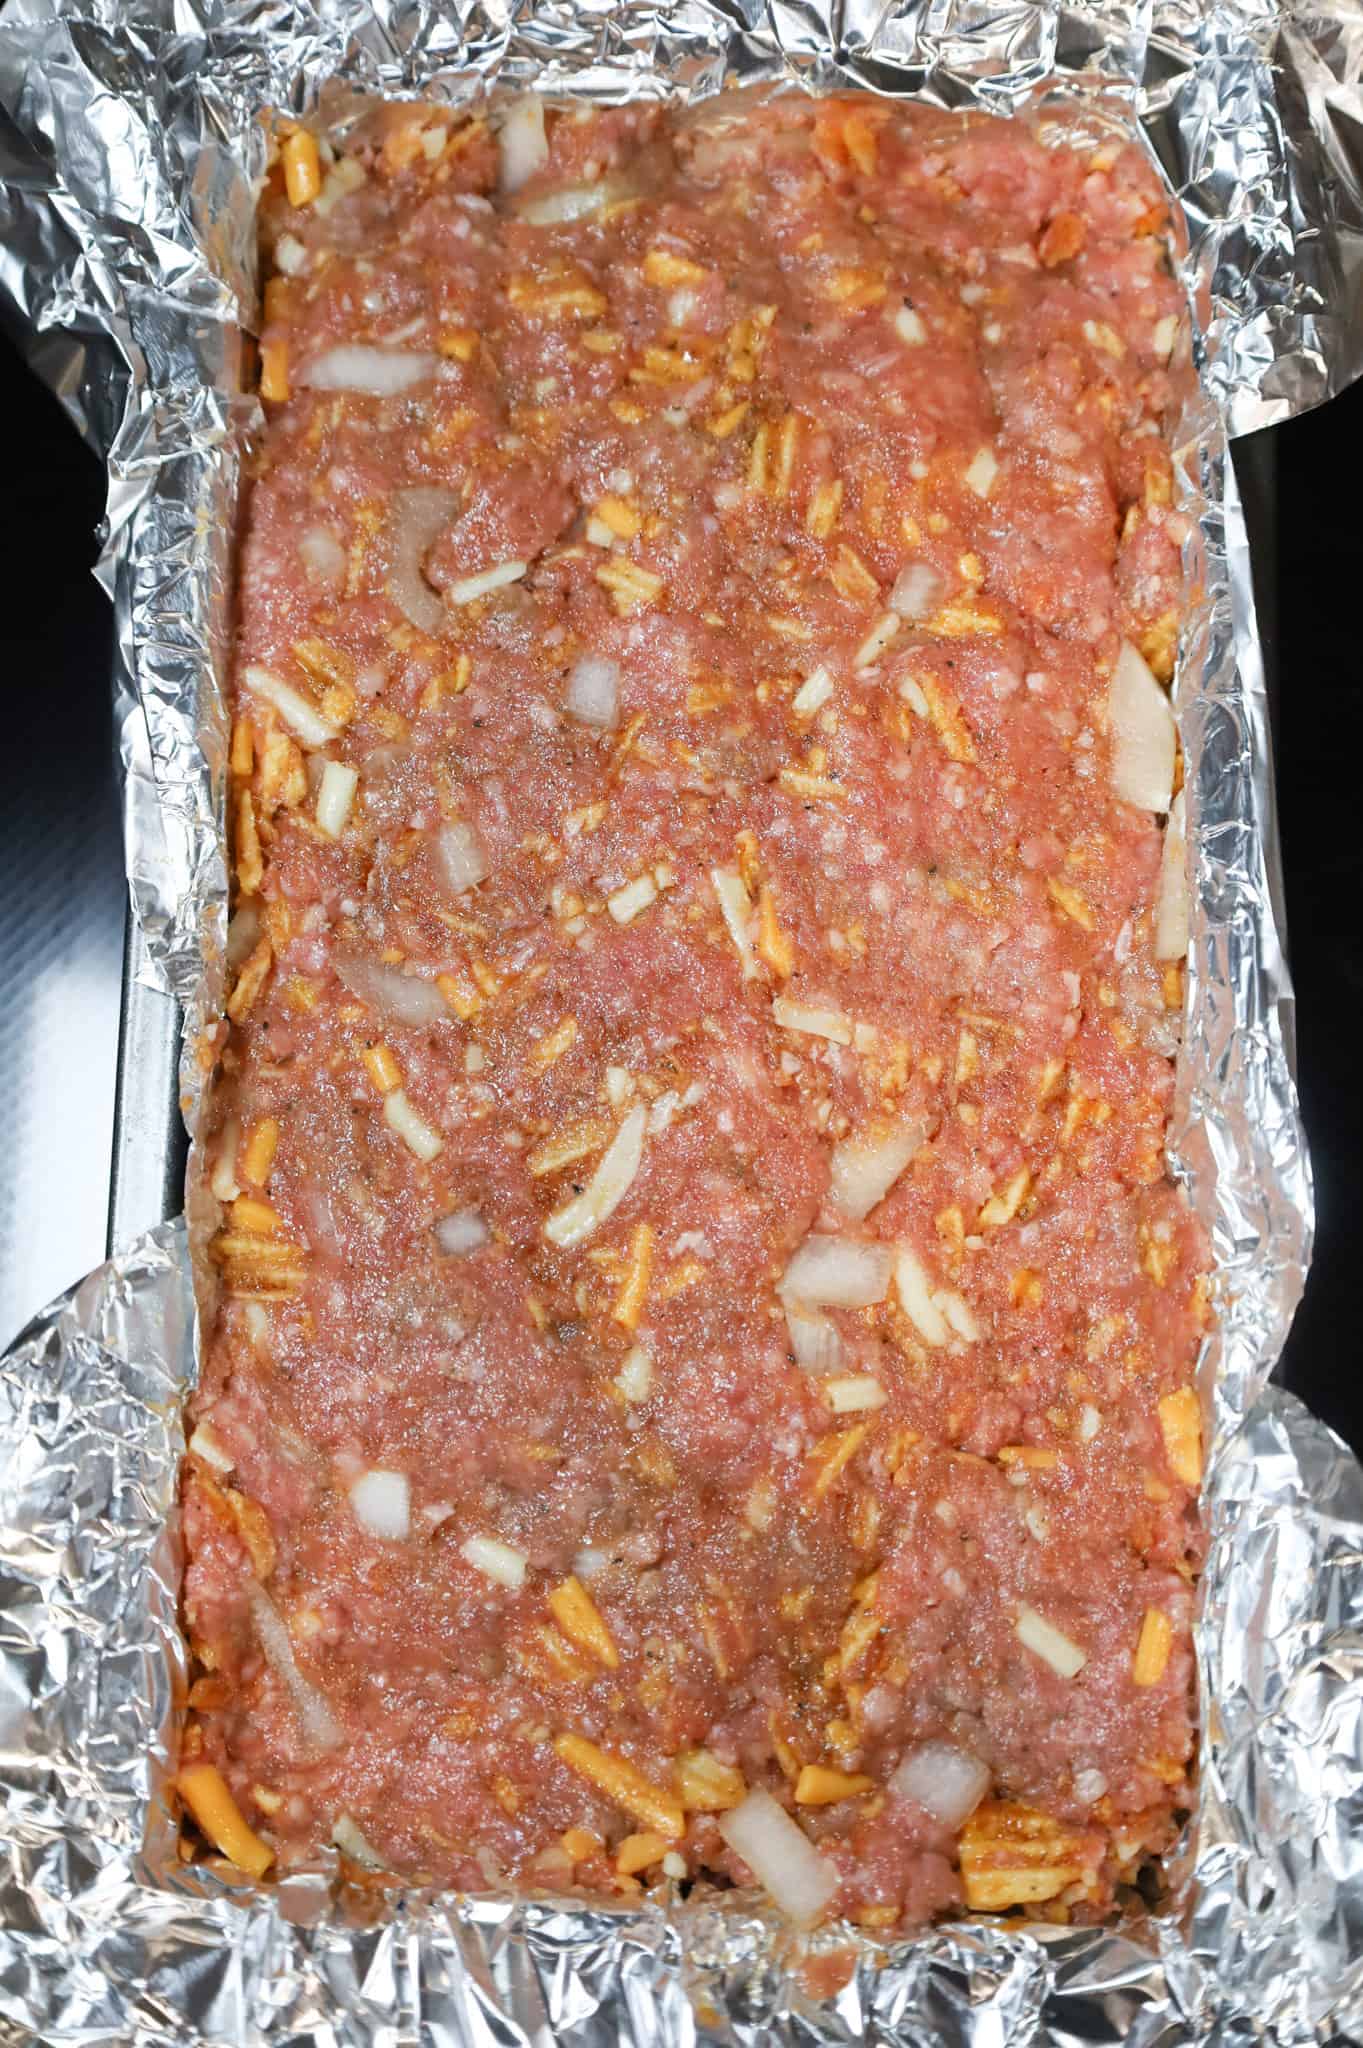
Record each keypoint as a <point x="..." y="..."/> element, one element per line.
<point x="382" y="1502"/>
<point x="417" y="517"/>
<point x="918" y="591"/>
<point x="864" y="1169"/>
<point x="319" y="1724"/>
<point x="1171" y="901"/>
<point x="352" y="1843"/>
<point x="459" y="857"/>
<point x="405" y="997"/>
<point x="593" y="693"/>
<point x="462" y="1232"/>
<point x="522" y="145"/>
<point x="946" y="1782"/>
<point x="380" y="372"/>
<point x="814" y="1338"/>
<point x="571" y="202"/>
<point x="781" y="1857"/>
<point x="1144" y="737"/>
<point x="838" y="1272"/>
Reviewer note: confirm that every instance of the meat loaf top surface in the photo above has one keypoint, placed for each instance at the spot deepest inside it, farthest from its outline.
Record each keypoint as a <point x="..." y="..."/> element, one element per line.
<point x="697" y="1378"/>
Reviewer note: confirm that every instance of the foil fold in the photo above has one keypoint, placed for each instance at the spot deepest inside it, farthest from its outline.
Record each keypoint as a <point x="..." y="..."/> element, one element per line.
<point x="130" y="151"/>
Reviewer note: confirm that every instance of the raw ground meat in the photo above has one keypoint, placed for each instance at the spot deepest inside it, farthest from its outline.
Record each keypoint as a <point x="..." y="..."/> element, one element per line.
<point x="699" y="1305"/>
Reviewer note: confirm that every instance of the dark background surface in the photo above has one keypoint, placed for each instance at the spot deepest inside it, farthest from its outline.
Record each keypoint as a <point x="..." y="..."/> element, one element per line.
<point x="61" y="910"/>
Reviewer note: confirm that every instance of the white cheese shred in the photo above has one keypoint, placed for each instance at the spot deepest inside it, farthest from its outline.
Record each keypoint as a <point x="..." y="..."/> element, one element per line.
<point x="498" y="1561"/>
<point x="335" y="795"/>
<point x="293" y="707"/>
<point x="413" y="1129"/>
<point x="606" y="1189"/>
<point x="1046" y="1641"/>
<point x="470" y="587"/>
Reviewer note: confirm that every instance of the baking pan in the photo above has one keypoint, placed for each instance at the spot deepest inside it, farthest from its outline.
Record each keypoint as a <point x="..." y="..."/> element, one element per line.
<point x="437" y="1965"/>
<point x="147" y="1171"/>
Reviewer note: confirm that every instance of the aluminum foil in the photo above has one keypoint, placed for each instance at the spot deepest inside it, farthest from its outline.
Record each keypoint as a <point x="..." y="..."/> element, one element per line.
<point x="129" y="155"/>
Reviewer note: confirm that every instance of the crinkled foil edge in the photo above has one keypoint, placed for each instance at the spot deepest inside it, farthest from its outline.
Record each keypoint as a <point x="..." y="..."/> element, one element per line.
<point x="127" y="165"/>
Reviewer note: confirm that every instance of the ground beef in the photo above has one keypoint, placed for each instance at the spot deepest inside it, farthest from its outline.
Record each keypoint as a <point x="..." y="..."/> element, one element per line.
<point x="700" y="1307"/>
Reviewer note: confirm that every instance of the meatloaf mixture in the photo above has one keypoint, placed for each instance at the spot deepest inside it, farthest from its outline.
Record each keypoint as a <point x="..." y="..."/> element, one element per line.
<point x="699" y="1325"/>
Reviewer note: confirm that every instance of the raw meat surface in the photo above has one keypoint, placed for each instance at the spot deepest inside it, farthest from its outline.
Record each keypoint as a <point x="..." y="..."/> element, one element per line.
<point x="700" y="1306"/>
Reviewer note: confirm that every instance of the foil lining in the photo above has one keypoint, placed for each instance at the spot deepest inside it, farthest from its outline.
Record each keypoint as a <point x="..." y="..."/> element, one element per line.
<point x="129" y="155"/>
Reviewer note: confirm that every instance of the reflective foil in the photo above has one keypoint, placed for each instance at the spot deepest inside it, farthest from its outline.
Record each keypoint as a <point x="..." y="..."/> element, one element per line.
<point x="129" y="155"/>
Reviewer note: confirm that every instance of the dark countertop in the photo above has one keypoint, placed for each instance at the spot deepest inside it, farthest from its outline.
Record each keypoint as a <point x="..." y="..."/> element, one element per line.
<point x="62" y="916"/>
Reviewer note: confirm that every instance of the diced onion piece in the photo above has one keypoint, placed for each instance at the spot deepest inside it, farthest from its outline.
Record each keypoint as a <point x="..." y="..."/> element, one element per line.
<point x="959" y="1314"/>
<point x="522" y="145"/>
<point x="983" y="469"/>
<point x="736" y="907"/>
<point x="242" y="934"/>
<point x="918" y="591"/>
<point x="855" y="1394"/>
<point x="908" y="325"/>
<point x="831" y="1024"/>
<point x="838" y="1272"/>
<point x="1046" y="1641"/>
<point x="606" y="1189"/>
<point x="917" y="1299"/>
<point x="570" y="202"/>
<point x="1164" y="335"/>
<point x="497" y="1561"/>
<point x="593" y="693"/>
<point x="413" y="1129"/>
<point x="632" y="899"/>
<point x="206" y="1444"/>
<point x="781" y="1857"/>
<point x="335" y="795"/>
<point x="634" y="1381"/>
<point x="323" y="556"/>
<point x="865" y="1169"/>
<point x="877" y="640"/>
<point x="352" y="1843"/>
<point x="406" y="997"/>
<point x="946" y="1782"/>
<point x="814" y="1338"/>
<point x="470" y="587"/>
<point x="462" y="1232"/>
<point x="223" y="1179"/>
<point x="319" y="1724"/>
<point x="1171" y="901"/>
<point x="1144" y="737"/>
<point x="383" y="1504"/>
<point x="459" y="856"/>
<point x="293" y="707"/>
<point x="417" y="517"/>
<point x="813" y="693"/>
<point x="381" y="372"/>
